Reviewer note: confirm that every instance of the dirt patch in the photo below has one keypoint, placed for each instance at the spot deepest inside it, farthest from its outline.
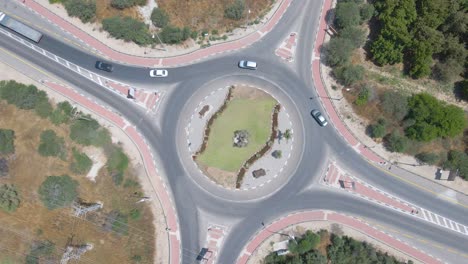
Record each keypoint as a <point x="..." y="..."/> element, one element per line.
<point x="225" y="178"/>
<point x="105" y="10"/>
<point x="250" y="93"/>
<point x="209" y="14"/>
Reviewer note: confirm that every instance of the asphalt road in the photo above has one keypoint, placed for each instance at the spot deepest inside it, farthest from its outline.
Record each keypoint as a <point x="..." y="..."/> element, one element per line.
<point x="246" y="210"/>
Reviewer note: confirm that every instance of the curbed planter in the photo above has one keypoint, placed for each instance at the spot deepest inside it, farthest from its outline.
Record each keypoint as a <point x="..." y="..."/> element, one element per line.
<point x="267" y="147"/>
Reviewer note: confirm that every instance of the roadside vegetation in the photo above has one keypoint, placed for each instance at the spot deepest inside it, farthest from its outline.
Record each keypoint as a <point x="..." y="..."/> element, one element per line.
<point x="324" y="247"/>
<point x="43" y="163"/>
<point x="394" y="60"/>
<point x="174" y="21"/>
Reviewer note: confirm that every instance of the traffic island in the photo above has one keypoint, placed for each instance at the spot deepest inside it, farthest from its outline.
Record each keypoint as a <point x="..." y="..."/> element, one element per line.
<point x="237" y="134"/>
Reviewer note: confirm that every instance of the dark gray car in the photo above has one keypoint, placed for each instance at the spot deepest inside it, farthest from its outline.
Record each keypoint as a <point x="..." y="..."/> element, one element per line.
<point x="319" y="117"/>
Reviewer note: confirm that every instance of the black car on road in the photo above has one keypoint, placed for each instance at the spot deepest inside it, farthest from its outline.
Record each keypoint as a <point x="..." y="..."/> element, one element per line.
<point x="103" y="66"/>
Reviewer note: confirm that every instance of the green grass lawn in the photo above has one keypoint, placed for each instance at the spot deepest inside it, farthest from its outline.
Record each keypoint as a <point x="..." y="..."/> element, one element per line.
<point x="253" y="116"/>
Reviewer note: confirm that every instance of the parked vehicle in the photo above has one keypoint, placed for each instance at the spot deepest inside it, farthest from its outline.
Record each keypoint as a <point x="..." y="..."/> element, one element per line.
<point x="20" y="28"/>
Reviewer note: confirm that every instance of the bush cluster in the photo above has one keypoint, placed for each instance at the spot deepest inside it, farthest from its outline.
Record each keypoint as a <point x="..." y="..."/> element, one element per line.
<point x="117" y="164"/>
<point x="25" y="97"/>
<point x="85" y="10"/>
<point x="52" y="145"/>
<point x="159" y="17"/>
<point x="87" y="131"/>
<point x="128" y="29"/>
<point x="9" y="198"/>
<point x="341" y="249"/>
<point x="235" y="11"/>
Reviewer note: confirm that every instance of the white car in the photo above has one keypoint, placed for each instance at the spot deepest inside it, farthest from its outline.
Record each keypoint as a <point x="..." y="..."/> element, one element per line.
<point x="158" y="73"/>
<point x="251" y="65"/>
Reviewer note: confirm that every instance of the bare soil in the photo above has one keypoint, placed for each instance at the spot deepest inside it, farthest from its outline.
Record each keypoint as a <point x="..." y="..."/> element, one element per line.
<point x="225" y="178"/>
<point x="249" y="93"/>
<point x="209" y="14"/>
<point x="33" y="222"/>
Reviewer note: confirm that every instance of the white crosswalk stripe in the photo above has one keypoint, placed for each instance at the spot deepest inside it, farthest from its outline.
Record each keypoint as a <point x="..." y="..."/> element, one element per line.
<point x="444" y="222"/>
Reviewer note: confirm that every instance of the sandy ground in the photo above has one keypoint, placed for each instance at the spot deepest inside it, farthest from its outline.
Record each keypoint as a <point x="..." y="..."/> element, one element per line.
<point x="297" y="230"/>
<point x="96" y="31"/>
<point x="161" y="243"/>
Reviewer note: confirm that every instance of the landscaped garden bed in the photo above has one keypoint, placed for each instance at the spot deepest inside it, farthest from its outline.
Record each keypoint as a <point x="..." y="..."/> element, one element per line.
<point x="247" y="111"/>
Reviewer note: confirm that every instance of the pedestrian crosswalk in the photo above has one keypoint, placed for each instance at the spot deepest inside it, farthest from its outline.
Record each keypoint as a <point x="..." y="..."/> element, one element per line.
<point x="444" y="222"/>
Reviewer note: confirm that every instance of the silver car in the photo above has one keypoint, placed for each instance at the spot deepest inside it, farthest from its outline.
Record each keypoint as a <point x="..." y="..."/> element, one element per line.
<point x="319" y="117"/>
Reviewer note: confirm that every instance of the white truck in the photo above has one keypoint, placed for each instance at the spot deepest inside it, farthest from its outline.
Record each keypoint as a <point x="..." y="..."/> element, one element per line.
<point x="20" y="28"/>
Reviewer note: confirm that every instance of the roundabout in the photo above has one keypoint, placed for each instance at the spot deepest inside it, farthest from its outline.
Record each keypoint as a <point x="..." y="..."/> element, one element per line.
<point x="235" y="104"/>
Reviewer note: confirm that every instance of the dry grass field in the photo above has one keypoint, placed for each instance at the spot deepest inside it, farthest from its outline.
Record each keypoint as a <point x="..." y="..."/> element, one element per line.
<point x="209" y="14"/>
<point x="32" y="223"/>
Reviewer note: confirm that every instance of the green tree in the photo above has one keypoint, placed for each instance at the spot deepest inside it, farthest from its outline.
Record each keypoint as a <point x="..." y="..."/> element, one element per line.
<point x="367" y="11"/>
<point x="128" y="29"/>
<point x="457" y="160"/>
<point x="433" y="118"/>
<point x="463" y="87"/>
<point x="356" y="35"/>
<point x="62" y="113"/>
<point x="338" y="51"/>
<point x="159" y="17"/>
<point x="117" y="163"/>
<point x="58" y="191"/>
<point x="7" y="141"/>
<point x="349" y="74"/>
<point x="81" y="163"/>
<point x="43" y="108"/>
<point x="395" y="142"/>
<point x="52" y="145"/>
<point x="421" y="59"/>
<point x="9" y="198"/>
<point x="447" y="71"/>
<point x="235" y="11"/>
<point x="385" y="51"/>
<point x="347" y="14"/>
<point x="378" y="130"/>
<point x="433" y="12"/>
<point x="85" y="10"/>
<point x="394" y="104"/>
<point x="363" y="96"/>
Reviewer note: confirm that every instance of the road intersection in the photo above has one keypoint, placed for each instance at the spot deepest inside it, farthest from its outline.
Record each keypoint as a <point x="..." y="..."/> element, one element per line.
<point x="299" y="190"/>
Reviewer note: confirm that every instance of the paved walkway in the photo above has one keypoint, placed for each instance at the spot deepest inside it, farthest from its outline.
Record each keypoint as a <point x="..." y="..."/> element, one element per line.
<point x="333" y="217"/>
<point x="154" y="62"/>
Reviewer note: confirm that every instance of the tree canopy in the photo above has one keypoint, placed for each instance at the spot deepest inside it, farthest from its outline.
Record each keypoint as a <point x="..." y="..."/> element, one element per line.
<point x="433" y="118"/>
<point x="58" y="191"/>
